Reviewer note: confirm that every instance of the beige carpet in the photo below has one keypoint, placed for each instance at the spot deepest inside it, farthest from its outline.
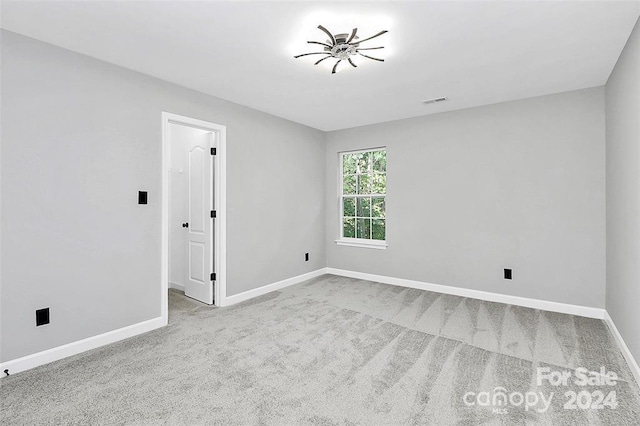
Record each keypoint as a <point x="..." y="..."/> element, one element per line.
<point x="337" y="351"/>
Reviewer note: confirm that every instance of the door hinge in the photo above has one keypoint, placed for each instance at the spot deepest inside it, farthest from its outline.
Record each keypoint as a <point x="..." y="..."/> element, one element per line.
<point x="213" y="151"/>
<point x="213" y="214"/>
<point x="213" y="276"/>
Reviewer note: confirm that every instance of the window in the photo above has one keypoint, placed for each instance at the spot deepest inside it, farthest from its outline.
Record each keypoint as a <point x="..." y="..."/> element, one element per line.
<point x="363" y="188"/>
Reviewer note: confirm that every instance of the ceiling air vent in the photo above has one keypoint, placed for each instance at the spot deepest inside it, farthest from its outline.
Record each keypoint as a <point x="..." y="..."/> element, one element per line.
<point x="435" y="100"/>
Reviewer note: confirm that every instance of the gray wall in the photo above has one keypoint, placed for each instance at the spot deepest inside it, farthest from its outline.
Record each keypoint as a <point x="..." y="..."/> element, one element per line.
<point x="80" y="137"/>
<point x="623" y="193"/>
<point x="515" y="185"/>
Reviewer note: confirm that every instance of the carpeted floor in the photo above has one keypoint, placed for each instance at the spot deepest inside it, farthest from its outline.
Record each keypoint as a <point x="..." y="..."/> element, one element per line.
<point x="341" y="351"/>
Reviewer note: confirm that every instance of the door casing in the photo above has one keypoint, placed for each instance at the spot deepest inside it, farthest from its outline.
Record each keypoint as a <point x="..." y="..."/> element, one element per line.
<point x="219" y="202"/>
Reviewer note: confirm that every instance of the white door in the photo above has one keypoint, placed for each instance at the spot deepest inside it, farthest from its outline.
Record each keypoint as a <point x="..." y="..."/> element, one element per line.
<point x="195" y="222"/>
<point x="199" y="284"/>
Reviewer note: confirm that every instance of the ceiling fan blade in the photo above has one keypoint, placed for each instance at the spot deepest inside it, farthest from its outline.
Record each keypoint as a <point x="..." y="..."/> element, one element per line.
<point x="320" y="43"/>
<point x="353" y="34"/>
<point x="314" y="53"/>
<point x="373" y="36"/>
<point x="333" y="71"/>
<point x="370" y="57"/>
<point x="370" y="48"/>
<point x="331" y="37"/>
<point x="351" y="62"/>
<point x="326" y="57"/>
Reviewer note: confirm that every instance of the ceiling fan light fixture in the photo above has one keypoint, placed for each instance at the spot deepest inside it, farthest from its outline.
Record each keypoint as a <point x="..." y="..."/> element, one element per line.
<point x="343" y="47"/>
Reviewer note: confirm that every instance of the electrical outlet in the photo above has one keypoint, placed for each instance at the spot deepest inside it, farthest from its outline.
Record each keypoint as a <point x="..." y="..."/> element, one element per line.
<point x="306" y="257"/>
<point x="507" y="274"/>
<point x="42" y="316"/>
<point x="142" y="197"/>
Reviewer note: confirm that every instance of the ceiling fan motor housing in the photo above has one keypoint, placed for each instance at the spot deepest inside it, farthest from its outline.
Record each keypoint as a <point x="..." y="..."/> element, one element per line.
<point x="342" y="49"/>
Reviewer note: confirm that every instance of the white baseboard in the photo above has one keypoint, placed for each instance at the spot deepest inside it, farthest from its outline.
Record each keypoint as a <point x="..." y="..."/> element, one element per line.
<point x="633" y="365"/>
<point x="250" y="294"/>
<point x="54" y="354"/>
<point x="544" y="305"/>
<point x="176" y="286"/>
<point x="34" y="360"/>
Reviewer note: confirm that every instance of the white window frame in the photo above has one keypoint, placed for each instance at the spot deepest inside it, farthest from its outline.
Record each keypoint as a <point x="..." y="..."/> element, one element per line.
<point x="357" y="242"/>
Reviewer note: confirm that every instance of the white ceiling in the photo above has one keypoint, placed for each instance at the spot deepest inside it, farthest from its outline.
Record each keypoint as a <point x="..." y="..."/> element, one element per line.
<point x="475" y="53"/>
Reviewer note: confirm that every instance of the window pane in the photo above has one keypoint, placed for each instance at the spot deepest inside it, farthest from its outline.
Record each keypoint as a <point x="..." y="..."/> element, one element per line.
<point x="379" y="185"/>
<point x="349" y="207"/>
<point x="363" y="194"/>
<point x="364" y="184"/>
<point x="363" y="228"/>
<point x="364" y="207"/>
<point x="349" y="227"/>
<point x="364" y="162"/>
<point x="349" y="164"/>
<point x="378" y="229"/>
<point x="380" y="161"/>
<point x="377" y="207"/>
<point x="349" y="184"/>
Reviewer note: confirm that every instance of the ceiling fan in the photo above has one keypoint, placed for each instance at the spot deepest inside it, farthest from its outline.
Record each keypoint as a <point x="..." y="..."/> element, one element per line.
<point x="342" y="47"/>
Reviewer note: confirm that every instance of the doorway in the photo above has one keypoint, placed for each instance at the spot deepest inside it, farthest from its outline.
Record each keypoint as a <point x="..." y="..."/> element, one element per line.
<point x="193" y="209"/>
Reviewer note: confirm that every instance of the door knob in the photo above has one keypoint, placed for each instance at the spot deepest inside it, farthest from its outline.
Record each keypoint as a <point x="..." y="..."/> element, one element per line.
<point x="185" y="225"/>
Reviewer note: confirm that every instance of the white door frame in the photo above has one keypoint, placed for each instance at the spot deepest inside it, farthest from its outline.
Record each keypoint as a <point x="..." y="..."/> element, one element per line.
<point x="219" y="202"/>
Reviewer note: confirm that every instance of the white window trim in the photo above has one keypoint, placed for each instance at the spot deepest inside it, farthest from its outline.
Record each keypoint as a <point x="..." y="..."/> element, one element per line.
<point x="357" y="242"/>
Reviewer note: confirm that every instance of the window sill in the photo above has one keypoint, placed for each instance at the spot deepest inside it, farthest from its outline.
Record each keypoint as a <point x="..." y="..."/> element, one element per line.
<point x="372" y="244"/>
